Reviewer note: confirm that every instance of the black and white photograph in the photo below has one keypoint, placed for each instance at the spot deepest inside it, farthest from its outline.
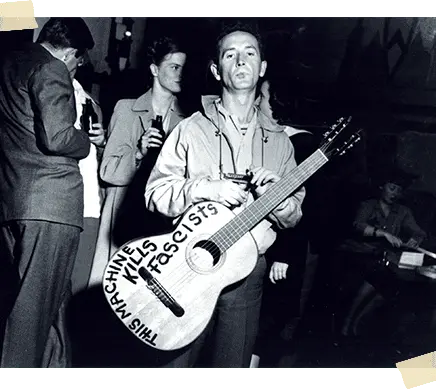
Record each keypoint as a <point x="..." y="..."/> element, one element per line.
<point x="218" y="192"/>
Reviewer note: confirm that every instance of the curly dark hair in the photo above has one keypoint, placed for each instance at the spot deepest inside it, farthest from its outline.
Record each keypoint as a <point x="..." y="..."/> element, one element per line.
<point x="63" y="33"/>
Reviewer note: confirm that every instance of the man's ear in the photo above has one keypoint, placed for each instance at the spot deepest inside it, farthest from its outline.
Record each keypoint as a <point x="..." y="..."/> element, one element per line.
<point x="154" y="70"/>
<point x="263" y="66"/>
<point x="215" y="72"/>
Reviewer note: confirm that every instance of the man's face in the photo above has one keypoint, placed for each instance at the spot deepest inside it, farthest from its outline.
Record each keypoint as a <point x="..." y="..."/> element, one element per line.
<point x="169" y="72"/>
<point x="240" y="64"/>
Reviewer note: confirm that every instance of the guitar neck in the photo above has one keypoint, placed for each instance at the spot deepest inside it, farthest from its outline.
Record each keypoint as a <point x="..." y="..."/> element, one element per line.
<point x="426" y="252"/>
<point x="421" y="250"/>
<point x="259" y="209"/>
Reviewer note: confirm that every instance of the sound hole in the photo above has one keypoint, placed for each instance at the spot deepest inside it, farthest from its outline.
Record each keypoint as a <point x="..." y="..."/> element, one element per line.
<point x="204" y="256"/>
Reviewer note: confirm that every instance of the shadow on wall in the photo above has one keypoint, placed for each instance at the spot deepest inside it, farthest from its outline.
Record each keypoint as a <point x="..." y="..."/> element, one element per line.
<point x="416" y="154"/>
<point x="10" y="40"/>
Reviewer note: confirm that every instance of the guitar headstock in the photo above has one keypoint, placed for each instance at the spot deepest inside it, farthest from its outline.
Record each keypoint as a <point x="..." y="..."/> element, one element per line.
<point x="334" y="144"/>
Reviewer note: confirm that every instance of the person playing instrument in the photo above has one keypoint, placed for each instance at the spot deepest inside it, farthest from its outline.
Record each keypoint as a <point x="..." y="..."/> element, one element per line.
<point x="229" y="136"/>
<point x="384" y="221"/>
<point x="380" y="225"/>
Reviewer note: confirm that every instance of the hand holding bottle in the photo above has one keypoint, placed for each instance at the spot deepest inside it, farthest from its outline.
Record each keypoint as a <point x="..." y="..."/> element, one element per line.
<point x="152" y="138"/>
<point x="91" y="125"/>
<point x="97" y="135"/>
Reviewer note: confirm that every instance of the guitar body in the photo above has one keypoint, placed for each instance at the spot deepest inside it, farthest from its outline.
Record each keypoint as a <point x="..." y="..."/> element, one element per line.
<point x="165" y="288"/>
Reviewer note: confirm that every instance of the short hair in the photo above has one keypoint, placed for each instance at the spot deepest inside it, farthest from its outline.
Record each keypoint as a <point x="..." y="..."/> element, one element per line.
<point x="63" y="33"/>
<point x="161" y="47"/>
<point x="228" y="28"/>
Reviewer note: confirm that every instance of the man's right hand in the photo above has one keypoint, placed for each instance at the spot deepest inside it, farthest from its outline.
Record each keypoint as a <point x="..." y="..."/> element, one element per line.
<point x="225" y="192"/>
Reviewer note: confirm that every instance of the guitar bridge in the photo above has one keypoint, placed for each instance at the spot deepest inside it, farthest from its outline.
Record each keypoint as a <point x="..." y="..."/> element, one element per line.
<point x="160" y="292"/>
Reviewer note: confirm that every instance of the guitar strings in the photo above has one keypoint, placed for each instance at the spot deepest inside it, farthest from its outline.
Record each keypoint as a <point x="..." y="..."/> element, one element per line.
<point x="235" y="228"/>
<point x="232" y="230"/>
<point x="229" y="234"/>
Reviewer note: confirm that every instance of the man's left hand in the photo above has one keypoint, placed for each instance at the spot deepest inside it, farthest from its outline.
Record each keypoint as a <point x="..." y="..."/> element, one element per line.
<point x="278" y="271"/>
<point x="97" y="135"/>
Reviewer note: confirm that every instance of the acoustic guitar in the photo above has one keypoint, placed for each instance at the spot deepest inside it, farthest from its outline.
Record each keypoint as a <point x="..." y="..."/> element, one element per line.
<point x="165" y="288"/>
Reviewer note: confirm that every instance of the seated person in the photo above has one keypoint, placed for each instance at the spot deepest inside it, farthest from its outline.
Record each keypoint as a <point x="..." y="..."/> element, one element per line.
<point x="383" y="222"/>
<point x="381" y="225"/>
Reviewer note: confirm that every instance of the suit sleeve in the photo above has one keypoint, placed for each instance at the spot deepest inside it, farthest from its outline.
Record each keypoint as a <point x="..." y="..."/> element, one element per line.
<point x="52" y="95"/>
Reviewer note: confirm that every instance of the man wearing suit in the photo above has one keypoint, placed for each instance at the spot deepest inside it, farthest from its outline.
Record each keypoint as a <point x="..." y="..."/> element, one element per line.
<point x="41" y="192"/>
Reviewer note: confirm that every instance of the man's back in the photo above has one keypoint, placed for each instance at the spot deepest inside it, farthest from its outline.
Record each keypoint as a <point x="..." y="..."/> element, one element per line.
<point x="39" y="147"/>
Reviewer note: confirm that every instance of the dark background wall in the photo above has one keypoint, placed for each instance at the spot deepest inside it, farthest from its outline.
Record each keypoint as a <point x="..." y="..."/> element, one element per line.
<point x="376" y="64"/>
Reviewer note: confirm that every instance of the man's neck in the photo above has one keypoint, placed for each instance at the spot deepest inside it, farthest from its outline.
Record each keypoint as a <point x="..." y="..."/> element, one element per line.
<point x="161" y="99"/>
<point x="241" y="105"/>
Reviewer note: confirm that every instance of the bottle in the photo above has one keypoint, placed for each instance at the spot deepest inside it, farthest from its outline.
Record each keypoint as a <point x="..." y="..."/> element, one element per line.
<point x="89" y="117"/>
<point x="158" y="125"/>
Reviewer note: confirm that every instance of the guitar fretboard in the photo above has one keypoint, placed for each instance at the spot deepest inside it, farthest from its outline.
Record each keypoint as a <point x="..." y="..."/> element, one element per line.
<point x="259" y="209"/>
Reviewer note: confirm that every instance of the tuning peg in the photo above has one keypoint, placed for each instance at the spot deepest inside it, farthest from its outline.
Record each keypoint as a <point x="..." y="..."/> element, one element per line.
<point x="336" y="128"/>
<point x="350" y="145"/>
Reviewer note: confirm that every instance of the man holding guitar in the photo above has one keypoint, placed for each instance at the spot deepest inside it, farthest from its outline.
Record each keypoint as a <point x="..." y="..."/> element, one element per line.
<point x="204" y="159"/>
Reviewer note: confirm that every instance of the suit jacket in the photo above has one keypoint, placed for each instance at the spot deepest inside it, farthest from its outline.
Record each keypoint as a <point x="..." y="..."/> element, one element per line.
<point x="39" y="145"/>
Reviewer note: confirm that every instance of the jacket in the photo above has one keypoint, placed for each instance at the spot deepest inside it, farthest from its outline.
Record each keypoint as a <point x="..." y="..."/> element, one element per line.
<point x="39" y="145"/>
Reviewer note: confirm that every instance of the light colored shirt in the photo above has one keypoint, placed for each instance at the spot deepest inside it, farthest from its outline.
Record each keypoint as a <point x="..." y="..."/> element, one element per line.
<point x="89" y="165"/>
